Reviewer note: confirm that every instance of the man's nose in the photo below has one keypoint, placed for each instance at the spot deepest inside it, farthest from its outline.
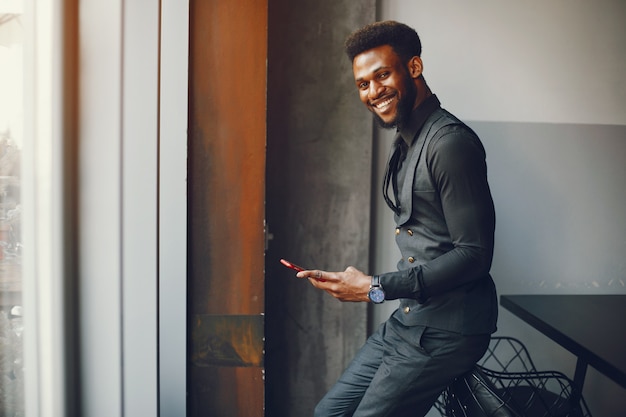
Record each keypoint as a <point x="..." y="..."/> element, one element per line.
<point x="375" y="89"/>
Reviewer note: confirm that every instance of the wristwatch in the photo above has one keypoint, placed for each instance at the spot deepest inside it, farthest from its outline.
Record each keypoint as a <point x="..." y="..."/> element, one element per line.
<point x="376" y="294"/>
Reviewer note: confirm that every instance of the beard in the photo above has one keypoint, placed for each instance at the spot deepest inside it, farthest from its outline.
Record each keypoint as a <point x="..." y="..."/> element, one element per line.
<point x="405" y="107"/>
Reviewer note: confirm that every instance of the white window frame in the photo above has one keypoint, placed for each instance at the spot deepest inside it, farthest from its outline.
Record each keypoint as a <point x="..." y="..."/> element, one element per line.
<point x="131" y="202"/>
<point x="42" y="202"/>
<point x="173" y="208"/>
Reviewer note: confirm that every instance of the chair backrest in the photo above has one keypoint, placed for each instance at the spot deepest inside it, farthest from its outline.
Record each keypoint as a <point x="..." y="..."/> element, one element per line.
<point x="505" y="383"/>
<point x="473" y="395"/>
<point x="507" y="354"/>
<point x="542" y="393"/>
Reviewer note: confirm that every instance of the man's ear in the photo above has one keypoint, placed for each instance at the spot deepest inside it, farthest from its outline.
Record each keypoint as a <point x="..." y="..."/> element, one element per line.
<point x="415" y="67"/>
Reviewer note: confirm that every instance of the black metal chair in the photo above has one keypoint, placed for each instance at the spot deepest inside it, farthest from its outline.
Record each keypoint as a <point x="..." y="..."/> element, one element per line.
<point x="506" y="383"/>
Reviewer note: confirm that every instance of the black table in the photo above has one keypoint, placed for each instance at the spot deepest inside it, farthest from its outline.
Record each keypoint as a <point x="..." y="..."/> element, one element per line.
<point x="592" y="327"/>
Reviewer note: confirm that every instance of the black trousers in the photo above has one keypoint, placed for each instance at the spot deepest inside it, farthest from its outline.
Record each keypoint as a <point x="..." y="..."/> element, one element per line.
<point x="400" y="371"/>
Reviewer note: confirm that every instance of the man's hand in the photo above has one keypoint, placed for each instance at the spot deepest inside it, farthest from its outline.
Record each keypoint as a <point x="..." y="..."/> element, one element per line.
<point x="349" y="285"/>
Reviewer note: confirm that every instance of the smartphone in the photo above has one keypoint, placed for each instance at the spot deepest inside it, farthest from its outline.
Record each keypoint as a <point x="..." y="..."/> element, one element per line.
<point x="291" y="265"/>
<point x="297" y="268"/>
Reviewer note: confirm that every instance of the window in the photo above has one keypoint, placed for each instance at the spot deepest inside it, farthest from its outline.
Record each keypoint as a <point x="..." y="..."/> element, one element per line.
<point x="11" y="136"/>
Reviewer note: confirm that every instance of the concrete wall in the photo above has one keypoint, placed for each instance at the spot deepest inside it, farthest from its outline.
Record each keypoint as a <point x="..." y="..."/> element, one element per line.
<point x="319" y="153"/>
<point x="542" y="84"/>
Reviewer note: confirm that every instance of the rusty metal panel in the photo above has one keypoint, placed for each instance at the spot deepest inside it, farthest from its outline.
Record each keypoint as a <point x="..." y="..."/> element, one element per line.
<point x="227" y="134"/>
<point x="227" y="340"/>
<point x="227" y="137"/>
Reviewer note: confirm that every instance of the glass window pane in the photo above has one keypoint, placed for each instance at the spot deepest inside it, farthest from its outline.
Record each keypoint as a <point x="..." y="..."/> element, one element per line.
<point x="11" y="122"/>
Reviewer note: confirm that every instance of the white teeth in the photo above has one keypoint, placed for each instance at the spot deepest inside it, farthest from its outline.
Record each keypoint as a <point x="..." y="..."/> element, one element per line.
<point x="384" y="104"/>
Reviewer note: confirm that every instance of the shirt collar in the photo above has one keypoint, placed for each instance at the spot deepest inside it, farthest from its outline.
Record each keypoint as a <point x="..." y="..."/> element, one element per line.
<point x="418" y="118"/>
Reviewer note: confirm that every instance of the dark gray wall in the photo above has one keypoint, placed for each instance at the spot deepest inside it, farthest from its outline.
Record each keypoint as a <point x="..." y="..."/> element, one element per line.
<point x="319" y="163"/>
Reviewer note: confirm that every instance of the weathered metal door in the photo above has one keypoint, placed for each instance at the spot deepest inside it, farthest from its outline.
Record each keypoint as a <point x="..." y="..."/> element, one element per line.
<point x="227" y="137"/>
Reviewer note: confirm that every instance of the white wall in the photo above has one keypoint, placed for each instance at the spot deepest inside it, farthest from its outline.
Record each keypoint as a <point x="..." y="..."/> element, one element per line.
<point x="542" y="84"/>
<point x="559" y="61"/>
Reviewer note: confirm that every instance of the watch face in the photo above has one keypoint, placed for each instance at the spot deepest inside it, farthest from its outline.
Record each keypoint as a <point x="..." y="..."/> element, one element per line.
<point x="377" y="295"/>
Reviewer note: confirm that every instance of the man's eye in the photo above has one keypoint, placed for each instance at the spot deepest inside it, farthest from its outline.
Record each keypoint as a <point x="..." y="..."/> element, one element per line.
<point x="383" y="75"/>
<point x="362" y="85"/>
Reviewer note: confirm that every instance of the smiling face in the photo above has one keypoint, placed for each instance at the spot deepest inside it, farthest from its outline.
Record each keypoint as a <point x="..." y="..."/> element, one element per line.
<point x="386" y="85"/>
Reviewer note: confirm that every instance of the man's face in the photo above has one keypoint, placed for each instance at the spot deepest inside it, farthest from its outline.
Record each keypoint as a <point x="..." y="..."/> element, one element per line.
<point x="385" y="85"/>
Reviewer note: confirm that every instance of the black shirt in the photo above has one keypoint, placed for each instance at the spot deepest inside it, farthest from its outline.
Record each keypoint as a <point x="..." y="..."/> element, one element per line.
<point x="446" y="236"/>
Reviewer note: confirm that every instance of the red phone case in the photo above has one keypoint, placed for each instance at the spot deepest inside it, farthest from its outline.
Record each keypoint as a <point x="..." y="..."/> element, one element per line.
<point x="291" y="265"/>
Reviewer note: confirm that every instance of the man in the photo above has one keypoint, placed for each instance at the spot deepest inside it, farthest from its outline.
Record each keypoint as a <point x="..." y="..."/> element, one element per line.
<point x="436" y="185"/>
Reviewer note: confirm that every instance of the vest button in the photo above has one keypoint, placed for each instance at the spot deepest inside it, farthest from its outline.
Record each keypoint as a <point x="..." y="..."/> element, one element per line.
<point x="397" y="230"/>
<point x="410" y="232"/>
<point x="411" y="259"/>
<point x="407" y="309"/>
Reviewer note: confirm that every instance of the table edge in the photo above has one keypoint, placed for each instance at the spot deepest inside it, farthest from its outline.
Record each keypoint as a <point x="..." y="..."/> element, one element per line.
<point x="572" y="346"/>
